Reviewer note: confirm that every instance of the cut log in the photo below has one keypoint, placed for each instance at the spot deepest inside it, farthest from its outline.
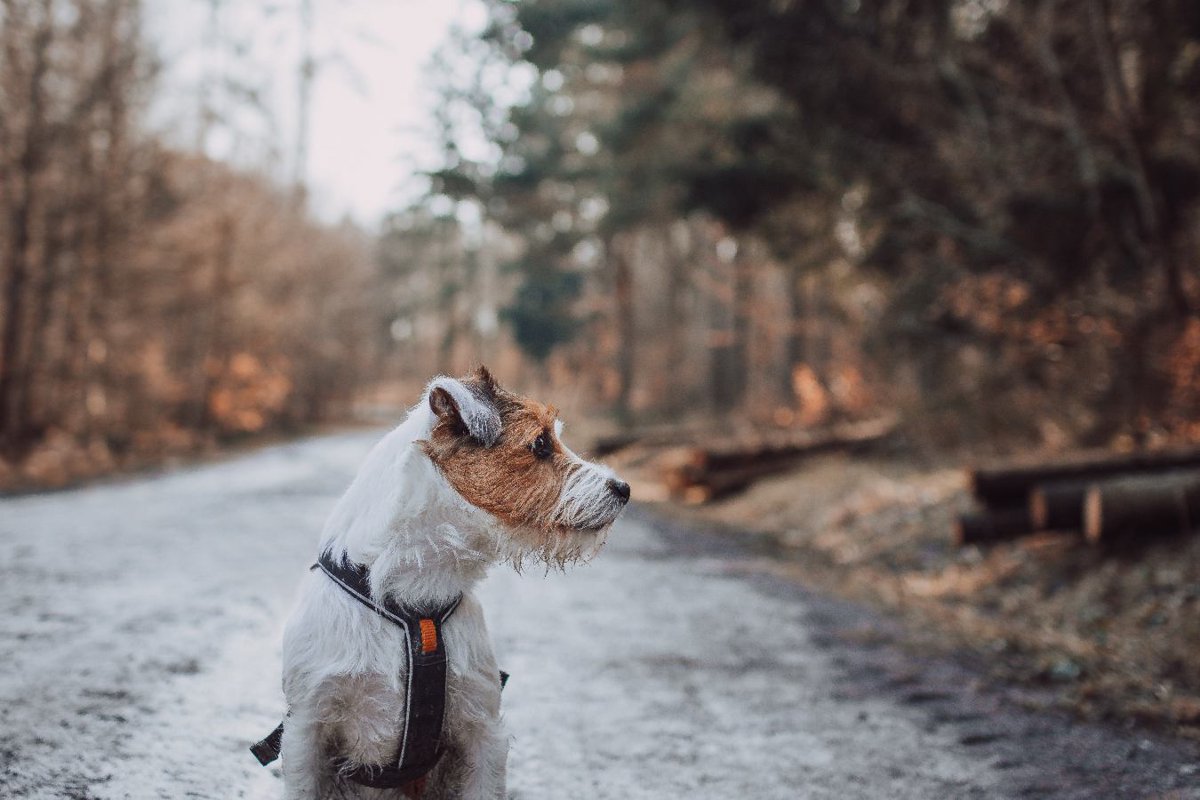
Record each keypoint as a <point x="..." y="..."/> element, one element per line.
<point x="784" y="448"/>
<point x="656" y="437"/>
<point x="1057" y="506"/>
<point x="996" y="525"/>
<point x="607" y="445"/>
<point x="720" y="483"/>
<point x="1124" y="510"/>
<point x="702" y="473"/>
<point x="1010" y="485"/>
<point x="678" y="468"/>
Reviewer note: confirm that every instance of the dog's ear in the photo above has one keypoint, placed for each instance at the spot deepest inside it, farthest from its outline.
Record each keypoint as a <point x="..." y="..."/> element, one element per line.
<point x="482" y="381"/>
<point x="464" y="411"/>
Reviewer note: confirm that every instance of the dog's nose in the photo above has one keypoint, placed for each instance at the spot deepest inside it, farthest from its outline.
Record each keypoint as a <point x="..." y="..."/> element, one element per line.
<point x="619" y="488"/>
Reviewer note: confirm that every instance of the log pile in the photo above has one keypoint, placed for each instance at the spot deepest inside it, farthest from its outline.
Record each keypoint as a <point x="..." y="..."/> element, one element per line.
<point x="983" y="527"/>
<point x="657" y="437"/>
<point x="703" y="472"/>
<point x="1118" y="511"/>
<point x="1112" y="500"/>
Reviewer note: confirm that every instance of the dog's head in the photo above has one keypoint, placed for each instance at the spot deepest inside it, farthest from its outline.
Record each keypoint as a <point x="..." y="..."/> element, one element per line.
<point x="502" y="453"/>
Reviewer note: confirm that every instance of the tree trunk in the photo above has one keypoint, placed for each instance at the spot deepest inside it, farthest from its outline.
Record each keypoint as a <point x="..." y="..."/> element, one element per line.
<point x="12" y="343"/>
<point x="109" y="217"/>
<point x="36" y="407"/>
<point x="722" y="369"/>
<point x="306" y="75"/>
<point x="1130" y="135"/>
<point x="677" y="328"/>
<point x="743" y="288"/>
<point x="727" y="335"/>
<point x="626" y="334"/>
<point x="214" y="355"/>
<point x="795" y="342"/>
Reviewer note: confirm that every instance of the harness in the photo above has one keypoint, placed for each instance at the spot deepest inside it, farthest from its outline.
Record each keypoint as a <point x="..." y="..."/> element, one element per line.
<point x="425" y="699"/>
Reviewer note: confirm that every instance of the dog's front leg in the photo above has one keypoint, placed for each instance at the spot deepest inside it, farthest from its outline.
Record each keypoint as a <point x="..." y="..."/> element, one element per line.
<point x="485" y="760"/>
<point x="302" y="757"/>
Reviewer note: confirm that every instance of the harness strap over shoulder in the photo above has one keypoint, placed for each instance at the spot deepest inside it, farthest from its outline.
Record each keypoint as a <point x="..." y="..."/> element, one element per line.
<point x="419" y="748"/>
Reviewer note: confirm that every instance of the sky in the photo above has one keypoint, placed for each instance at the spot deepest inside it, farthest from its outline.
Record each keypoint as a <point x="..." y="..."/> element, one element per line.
<point x="371" y="120"/>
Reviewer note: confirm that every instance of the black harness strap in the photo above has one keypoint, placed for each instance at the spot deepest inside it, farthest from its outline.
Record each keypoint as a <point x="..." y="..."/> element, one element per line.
<point x="267" y="750"/>
<point x="421" y="726"/>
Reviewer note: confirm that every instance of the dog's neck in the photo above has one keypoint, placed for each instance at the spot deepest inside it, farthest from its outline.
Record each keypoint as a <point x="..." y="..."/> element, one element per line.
<point x="422" y="542"/>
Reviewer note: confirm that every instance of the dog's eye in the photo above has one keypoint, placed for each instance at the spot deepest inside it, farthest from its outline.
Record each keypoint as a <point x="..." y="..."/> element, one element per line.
<point x="541" y="447"/>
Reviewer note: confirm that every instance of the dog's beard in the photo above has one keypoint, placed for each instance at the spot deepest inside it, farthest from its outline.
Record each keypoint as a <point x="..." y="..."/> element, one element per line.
<point x="575" y="531"/>
<point x="586" y="503"/>
<point x="554" y="549"/>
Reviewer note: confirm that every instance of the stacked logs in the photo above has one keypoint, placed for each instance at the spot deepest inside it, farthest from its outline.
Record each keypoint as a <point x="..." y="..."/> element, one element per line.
<point x="703" y="472"/>
<point x="1108" y="499"/>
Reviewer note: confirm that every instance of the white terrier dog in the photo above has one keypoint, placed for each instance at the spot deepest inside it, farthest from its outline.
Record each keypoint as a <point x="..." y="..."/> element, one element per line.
<point x="474" y="475"/>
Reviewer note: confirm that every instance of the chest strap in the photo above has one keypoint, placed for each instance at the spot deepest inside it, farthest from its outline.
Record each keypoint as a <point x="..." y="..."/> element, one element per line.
<point x="419" y="748"/>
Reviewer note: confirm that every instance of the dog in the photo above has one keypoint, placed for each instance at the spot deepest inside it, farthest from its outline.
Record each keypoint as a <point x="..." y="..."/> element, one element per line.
<point x="475" y="475"/>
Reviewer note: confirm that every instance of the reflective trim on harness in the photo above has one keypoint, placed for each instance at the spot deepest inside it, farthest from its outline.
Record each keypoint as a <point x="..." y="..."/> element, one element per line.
<point x="419" y="748"/>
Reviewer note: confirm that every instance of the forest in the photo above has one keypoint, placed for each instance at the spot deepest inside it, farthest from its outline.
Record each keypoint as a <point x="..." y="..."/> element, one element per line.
<point x="980" y="216"/>
<point x="153" y="301"/>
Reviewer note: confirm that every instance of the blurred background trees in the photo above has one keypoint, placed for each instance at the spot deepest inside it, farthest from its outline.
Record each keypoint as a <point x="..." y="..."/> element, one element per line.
<point x="982" y="215"/>
<point x="978" y="212"/>
<point x="153" y="299"/>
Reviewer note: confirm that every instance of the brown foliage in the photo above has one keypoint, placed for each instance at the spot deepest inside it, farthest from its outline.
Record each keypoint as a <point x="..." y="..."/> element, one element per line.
<point x="151" y="300"/>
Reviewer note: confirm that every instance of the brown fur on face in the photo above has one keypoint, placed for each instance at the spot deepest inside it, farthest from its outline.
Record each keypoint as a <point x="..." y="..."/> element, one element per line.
<point x="508" y="480"/>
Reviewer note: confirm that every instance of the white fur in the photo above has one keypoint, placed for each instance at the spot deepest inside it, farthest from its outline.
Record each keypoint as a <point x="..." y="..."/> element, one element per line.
<point x="480" y="418"/>
<point x="586" y="501"/>
<point x="344" y="666"/>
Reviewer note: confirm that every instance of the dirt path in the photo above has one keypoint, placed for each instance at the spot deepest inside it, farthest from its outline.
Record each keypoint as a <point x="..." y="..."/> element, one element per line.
<point x="139" y="638"/>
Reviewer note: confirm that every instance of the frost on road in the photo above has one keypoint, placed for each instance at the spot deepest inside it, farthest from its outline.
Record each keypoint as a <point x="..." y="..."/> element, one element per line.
<point x="140" y="632"/>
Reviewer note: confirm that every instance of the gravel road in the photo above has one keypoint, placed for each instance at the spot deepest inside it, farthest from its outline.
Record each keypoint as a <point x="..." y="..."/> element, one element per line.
<point x="139" y="644"/>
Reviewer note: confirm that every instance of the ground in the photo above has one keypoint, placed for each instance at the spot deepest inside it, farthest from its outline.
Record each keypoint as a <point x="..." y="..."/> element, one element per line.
<point x="1114" y="633"/>
<point x="140" y="641"/>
